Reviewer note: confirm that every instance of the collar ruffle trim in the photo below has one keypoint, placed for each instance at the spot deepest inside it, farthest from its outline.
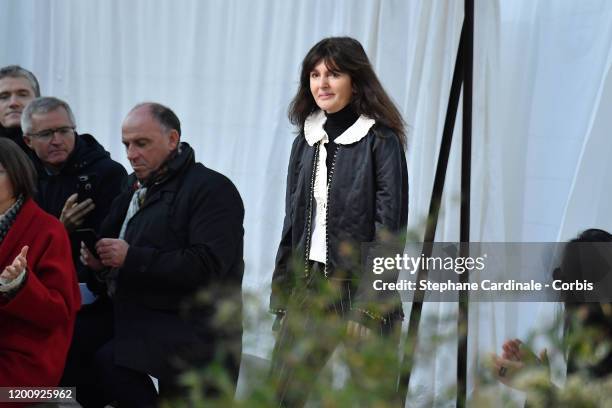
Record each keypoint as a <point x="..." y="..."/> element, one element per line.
<point x="314" y="132"/>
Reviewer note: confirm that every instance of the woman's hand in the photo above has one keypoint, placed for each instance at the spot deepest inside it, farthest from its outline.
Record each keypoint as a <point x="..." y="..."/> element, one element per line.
<point x="12" y="271"/>
<point x="505" y="370"/>
<point x="516" y="359"/>
<point x="357" y="331"/>
<point x="516" y="350"/>
<point x="89" y="260"/>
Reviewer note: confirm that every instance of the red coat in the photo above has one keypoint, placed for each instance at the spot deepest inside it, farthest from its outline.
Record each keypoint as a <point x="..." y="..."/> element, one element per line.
<point x="36" y="325"/>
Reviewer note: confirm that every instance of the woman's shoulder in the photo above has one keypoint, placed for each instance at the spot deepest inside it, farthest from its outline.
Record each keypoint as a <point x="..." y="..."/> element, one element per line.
<point x="384" y="135"/>
<point x="43" y="220"/>
<point x="380" y="129"/>
<point x="299" y="144"/>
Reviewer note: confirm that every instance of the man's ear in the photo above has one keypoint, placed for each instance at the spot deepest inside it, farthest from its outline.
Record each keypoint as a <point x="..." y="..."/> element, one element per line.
<point x="28" y="140"/>
<point x="174" y="138"/>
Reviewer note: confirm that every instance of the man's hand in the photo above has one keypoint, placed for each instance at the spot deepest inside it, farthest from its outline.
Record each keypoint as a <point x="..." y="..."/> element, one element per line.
<point x="12" y="271"/>
<point x="89" y="260"/>
<point x="357" y="331"/>
<point x="112" y="252"/>
<point x="73" y="214"/>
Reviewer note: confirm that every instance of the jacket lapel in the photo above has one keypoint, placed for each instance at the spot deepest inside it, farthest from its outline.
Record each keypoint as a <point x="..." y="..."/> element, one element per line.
<point x="8" y="248"/>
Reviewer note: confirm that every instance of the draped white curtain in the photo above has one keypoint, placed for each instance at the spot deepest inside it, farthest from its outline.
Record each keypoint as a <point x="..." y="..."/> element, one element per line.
<point x="542" y="113"/>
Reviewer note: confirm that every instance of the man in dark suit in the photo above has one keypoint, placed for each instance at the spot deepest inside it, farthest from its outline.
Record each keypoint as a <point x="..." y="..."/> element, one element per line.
<point x="176" y="232"/>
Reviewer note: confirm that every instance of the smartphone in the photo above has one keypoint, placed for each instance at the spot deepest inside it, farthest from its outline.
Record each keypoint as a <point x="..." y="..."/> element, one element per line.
<point x="85" y="187"/>
<point x="89" y="237"/>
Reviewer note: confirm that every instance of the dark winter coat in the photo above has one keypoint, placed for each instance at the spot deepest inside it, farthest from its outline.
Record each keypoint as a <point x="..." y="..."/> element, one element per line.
<point x="88" y="161"/>
<point x="186" y="239"/>
<point x="37" y="323"/>
<point x="367" y="198"/>
<point x="16" y="135"/>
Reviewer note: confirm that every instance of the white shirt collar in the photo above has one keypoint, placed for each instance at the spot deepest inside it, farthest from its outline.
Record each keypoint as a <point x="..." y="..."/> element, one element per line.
<point x="314" y="132"/>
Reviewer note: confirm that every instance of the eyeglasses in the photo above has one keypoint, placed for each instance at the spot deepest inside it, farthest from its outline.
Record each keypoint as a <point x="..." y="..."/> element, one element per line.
<point x="47" y="135"/>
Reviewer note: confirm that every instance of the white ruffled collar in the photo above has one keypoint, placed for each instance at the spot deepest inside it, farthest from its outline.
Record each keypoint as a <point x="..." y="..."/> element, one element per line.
<point x="314" y="132"/>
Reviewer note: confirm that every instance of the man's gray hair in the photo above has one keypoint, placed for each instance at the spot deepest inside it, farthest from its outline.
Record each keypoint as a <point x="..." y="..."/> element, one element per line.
<point x="45" y="104"/>
<point x="15" y="71"/>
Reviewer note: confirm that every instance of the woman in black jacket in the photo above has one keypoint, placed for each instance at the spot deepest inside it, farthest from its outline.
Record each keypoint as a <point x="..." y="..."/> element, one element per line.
<point x="347" y="185"/>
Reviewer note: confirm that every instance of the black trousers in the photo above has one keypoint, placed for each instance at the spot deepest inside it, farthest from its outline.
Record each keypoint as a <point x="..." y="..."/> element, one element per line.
<point x="93" y="328"/>
<point x="99" y="381"/>
<point x="90" y="367"/>
<point x="130" y="388"/>
<point x="314" y="325"/>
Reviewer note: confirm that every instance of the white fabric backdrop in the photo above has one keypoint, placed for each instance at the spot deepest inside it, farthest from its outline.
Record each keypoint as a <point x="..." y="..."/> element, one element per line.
<point x="542" y="109"/>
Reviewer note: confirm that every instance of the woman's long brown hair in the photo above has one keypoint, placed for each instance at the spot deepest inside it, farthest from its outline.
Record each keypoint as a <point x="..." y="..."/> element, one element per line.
<point x="346" y="55"/>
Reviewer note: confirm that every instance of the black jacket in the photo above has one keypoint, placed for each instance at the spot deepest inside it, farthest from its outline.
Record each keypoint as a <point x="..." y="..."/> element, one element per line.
<point x="186" y="239"/>
<point x="16" y="135"/>
<point x="88" y="159"/>
<point x="367" y="196"/>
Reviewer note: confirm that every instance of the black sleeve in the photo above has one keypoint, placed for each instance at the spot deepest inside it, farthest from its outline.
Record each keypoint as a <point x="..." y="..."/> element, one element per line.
<point x="110" y="228"/>
<point x="112" y="179"/>
<point x="391" y="215"/>
<point x="282" y="277"/>
<point x="109" y="186"/>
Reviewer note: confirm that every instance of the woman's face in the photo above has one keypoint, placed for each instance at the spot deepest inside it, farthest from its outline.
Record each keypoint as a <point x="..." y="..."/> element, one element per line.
<point x="331" y="90"/>
<point x="7" y="196"/>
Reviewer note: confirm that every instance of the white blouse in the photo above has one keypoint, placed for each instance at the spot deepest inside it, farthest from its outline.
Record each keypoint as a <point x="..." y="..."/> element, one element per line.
<point x="315" y="133"/>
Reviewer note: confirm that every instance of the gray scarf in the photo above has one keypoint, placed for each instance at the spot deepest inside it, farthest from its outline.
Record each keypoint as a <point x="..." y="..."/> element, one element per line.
<point x="135" y="203"/>
<point x="7" y="220"/>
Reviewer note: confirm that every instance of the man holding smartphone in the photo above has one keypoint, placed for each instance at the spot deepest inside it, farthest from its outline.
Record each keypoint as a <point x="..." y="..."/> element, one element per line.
<point x="172" y="255"/>
<point x="77" y="179"/>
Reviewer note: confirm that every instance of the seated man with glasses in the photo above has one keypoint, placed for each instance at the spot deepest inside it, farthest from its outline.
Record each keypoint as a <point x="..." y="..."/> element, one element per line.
<point x="77" y="179"/>
<point x="77" y="182"/>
